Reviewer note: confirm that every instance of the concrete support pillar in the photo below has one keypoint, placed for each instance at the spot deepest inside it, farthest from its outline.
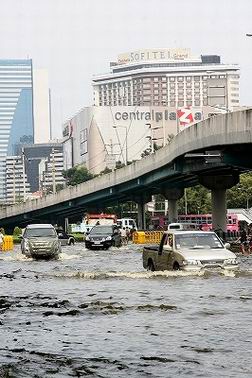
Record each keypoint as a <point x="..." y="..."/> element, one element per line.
<point x="173" y="195"/>
<point x="219" y="209"/>
<point x="141" y="200"/>
<point x="66" y="225"/>
<point x="218" y="186"/>
<point x="141" y="221"/>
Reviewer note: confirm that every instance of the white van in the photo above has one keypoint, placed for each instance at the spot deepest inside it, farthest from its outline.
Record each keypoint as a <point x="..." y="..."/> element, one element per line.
<point x="127" y="222"/>
<point x="183" y="226"/>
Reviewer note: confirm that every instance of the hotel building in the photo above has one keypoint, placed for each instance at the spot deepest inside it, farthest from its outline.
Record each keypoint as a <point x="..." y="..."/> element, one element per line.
<point x="149" y="95"/>
<point x="168" y="77"/>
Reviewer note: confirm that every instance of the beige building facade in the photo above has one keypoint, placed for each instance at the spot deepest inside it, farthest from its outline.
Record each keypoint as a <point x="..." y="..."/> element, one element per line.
<point x="168" y="77"/>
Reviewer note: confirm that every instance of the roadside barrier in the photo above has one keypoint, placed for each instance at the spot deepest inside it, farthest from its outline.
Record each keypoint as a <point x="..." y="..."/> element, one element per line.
<point x="7" y="243"/>
<point x="147" y="237"/>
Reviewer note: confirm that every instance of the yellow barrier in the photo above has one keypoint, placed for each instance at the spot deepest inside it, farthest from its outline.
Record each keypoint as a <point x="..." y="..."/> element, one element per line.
<point x="147" y="237"/>
<point x="7" y="243"/>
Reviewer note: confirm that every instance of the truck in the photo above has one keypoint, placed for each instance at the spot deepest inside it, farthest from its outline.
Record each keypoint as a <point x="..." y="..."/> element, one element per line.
<point x="102" y="219"/>
<point x="189" y="250"/>
<point x="129" y="223"/>
<point x="92" y="219"/>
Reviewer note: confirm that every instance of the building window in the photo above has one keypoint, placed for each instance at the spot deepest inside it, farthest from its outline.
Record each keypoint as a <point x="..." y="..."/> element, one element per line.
<point x="181" y="103"/>
<point x="171" y="78"/>
<point x="180" y="78"/>
<point x="188" y="103"/>
<point x="172" y="103"/>
<point x="196" y="78"/>
<point x="197" y="103"/>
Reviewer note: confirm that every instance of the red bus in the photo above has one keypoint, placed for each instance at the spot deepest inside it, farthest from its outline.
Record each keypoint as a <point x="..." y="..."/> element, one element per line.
<point x="204" y="221"/>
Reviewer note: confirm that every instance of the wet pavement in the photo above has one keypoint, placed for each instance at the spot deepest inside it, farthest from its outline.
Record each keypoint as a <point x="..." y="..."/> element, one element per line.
<point x="99" y="314"/>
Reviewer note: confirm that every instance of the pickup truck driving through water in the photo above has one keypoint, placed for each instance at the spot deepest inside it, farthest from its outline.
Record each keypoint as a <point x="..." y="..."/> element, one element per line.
<point x="188" y="250"/>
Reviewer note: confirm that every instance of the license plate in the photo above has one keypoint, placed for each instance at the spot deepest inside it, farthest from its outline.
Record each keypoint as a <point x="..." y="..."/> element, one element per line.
<point x="97" y="242"/>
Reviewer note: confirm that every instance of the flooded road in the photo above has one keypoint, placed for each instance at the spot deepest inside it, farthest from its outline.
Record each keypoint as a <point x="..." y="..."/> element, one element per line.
<point x="99" y="314"/>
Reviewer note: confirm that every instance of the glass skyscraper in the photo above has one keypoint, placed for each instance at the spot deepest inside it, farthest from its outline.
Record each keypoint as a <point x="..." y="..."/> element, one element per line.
<point x="16" y="111"/>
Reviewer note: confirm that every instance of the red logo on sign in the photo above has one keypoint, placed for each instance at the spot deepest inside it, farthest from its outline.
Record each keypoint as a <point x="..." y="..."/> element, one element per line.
<point x="185" y="116"/>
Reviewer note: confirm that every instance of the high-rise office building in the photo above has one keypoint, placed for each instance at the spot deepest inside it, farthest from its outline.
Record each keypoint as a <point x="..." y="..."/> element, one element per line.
<point x="38" y="169"/>
<point x="22" y="105"/>
<point x="168" y="77"/>
<point x="16" y="110"/>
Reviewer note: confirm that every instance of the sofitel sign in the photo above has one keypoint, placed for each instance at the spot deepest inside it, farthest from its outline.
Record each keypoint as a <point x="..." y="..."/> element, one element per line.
<point x="155" y="54"/>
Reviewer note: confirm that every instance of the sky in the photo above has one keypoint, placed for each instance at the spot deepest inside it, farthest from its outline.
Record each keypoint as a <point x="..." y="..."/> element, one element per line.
<point x="76" y="39"/>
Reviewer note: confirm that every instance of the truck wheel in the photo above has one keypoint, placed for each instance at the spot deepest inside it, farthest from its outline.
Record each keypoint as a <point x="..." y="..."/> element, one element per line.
<point x="176" y="266"/>
<point x="150" y="266"/>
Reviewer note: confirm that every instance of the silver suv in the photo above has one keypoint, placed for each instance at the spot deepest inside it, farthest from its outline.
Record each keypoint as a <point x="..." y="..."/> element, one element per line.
<point x="40" y="241"/>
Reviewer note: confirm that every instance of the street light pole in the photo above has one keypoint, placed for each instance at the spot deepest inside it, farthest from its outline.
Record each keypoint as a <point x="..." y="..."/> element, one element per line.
<point x="24" y="183"/>
<point x="126" y="141"/>
<point x="53" y="171"/>
<point x="14" y="183"/>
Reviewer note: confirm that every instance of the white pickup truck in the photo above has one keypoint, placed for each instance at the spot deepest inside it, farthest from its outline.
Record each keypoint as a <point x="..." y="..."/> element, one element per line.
<point x="188" y="250"/>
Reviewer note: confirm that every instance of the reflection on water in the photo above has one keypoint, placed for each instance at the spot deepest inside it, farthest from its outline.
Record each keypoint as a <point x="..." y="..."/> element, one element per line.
<point x="99" y="314"/>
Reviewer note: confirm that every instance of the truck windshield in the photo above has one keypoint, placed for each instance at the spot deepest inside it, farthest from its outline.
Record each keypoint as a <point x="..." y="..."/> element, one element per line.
<point x="39" y="232"/>
<point x="197" y="241"/>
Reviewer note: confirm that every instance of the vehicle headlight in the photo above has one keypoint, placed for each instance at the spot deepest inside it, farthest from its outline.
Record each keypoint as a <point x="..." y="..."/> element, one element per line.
<point x="87" y="237"/>
<point x="231" y="261"/>
<point x="191" y="262"/>
<point x="108" y="238"/>
<point x="103" y="239"/>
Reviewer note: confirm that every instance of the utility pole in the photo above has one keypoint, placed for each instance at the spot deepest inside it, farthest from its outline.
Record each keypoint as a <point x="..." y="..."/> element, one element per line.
<point x="50" y="113"/>
<point x="24" y="181"/>
<point x="14" y="182"/>
<point x="53" y="171"/>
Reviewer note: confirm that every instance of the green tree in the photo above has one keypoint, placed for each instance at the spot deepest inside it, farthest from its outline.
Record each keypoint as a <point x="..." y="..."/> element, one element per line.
<point x="240" y="195"/>
<point x="198" y="201"/>
<point x="77" y="175"/>
<point x="17" y="231"/>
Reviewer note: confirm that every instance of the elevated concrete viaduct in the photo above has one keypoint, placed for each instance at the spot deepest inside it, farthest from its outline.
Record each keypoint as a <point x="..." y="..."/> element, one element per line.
<point x="212" y="152"/>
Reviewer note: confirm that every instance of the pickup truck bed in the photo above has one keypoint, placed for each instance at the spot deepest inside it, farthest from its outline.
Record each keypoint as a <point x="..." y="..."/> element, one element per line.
<point x="152" y="247"/>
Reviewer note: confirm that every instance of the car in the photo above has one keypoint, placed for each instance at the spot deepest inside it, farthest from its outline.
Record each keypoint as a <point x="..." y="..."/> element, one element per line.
<point x="40" y="241"/>
<point x="103" y="237"/>
<point x="189" y="250"/>
<point x="64" y="238"/>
